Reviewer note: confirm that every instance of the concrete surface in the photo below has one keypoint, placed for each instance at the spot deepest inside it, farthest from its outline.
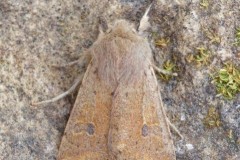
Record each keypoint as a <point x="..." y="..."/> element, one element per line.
<point x="36" y="34"/>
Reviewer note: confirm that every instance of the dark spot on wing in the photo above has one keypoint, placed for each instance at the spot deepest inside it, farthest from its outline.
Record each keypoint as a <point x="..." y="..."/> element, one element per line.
<point x="144" y="130"/>
<point x="90" y="128"/>
<point x="126" y="94"/>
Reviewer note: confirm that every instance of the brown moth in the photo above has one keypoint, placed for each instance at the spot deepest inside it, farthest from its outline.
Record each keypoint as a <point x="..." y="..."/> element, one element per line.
<point x="118" y="113"/>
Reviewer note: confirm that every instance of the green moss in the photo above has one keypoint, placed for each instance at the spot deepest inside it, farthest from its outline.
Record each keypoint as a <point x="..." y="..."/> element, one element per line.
<point x="212" y="119"/>
<point x="201" y="58"/>
<point x="204" y="4"/>
<point x="170" y="67"/>
<point x="227" y="81"/>
<point x="163" y="42"/>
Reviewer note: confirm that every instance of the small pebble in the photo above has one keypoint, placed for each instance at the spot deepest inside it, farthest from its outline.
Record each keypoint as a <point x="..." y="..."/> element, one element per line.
<point x="183" y="117"/>
<point x="189" y="146"/>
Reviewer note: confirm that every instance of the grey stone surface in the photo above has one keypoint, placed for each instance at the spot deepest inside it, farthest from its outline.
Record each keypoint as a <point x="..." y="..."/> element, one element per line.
<point x="36" y="34"/>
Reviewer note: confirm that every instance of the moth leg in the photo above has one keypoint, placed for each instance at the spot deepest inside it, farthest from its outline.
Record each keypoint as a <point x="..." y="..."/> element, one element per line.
<point x="84" y="57"/>
<point x="66" y="65"/>
<point x="77" y="82"/>
<point x="159" y="70"/>
<point x="174" y="128"/>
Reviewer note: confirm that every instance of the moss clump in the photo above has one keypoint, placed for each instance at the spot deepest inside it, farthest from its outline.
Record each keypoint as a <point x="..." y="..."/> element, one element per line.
<point x="212" y="119"/>
<point x="204" y="3"/>
<point x="201" y="58"/>
<point x="227" y="81"/>
<point x="163" y="42"/>
<point x="170" y="67"/>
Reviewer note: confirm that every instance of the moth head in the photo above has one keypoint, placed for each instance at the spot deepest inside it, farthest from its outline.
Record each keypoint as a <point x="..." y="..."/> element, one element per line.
<point x="123" y="25"/>
<point x="121" y="28"/>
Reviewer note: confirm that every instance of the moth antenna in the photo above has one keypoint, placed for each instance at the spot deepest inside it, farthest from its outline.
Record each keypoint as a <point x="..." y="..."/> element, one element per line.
<point x="66" y="65"/>
<point x="77" y="82"/>
<point x="144" y="23"/>
<point x="84" y="56"/>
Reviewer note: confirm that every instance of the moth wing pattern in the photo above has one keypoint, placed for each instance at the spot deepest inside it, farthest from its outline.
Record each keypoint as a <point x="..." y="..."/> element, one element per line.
<point x="118" y="113"/>
<point x="138" y="126"/>
<point x="85" y="136"/>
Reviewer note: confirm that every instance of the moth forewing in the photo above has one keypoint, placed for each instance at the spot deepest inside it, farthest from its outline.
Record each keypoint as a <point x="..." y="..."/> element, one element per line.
<point x="85" y="136"/>
<point x="118" y="113"/>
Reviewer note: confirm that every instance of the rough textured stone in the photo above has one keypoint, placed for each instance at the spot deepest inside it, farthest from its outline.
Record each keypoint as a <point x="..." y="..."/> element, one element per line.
<point x="36" y="34"/>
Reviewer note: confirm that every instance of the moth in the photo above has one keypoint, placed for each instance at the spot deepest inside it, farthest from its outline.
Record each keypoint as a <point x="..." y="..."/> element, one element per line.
<point x="118" y="113"/>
